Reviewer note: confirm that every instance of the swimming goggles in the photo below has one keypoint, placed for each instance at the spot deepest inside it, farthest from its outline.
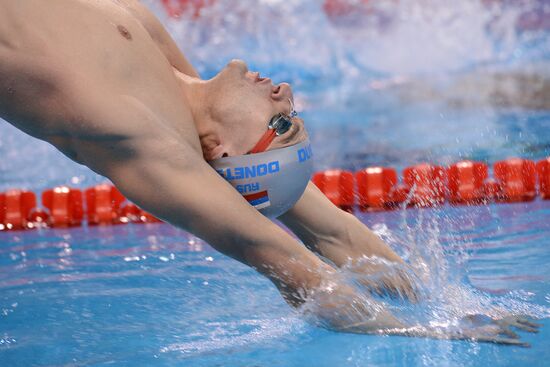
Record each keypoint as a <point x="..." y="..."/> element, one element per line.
<point x="278" y="125"/>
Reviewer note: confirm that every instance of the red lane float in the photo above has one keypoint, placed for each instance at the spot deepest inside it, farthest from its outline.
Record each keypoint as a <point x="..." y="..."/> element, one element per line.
<point x="176" y="8"/>
<point x="65" y="206"/>
<point x="15" y="209"/>
<point x="106" y="205"/>
<point x="338" y="8"/>
<point x="517" y="179"/>
<point x="338" y="187"/>
<point x="103" y="204"/>
<point x="38" y="218"/>
<point x="375" y="188"/>
<point x="543" y="173"/>
<point x="148" y="218"/>
<point x="492" y="190"/>
<point x="426" y="184"/>
<point x="131" y="213"/>
<point x="466" y="181"/>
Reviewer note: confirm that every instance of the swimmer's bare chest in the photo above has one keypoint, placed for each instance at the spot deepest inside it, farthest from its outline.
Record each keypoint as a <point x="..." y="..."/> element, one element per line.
<point x="73" y="71"/>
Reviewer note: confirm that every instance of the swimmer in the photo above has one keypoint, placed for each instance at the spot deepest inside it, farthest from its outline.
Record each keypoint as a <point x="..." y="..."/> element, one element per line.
<point x="105" y="84"/>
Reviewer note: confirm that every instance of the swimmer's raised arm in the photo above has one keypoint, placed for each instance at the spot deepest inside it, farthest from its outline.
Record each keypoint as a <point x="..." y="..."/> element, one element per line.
<point x="322" y="226"/>
<point x="175" y="184"/>
<point x="330" y="232"/>
<point x="341" y="238"/>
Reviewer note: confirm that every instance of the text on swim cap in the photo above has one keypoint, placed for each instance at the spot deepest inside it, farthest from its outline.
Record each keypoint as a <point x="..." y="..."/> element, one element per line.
<point x="259" y="170"/>
<point x="246" y="188"/>
<point x="305" y="154"/>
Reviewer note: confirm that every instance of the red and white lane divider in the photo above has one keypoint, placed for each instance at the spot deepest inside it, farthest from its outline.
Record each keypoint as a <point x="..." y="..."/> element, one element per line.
<point x="334" y="9"/>
<point x="426" y="185"/>
<point x="372" y="188"/>
<point x="64" y="207"/>
<point x="177" y="8"/>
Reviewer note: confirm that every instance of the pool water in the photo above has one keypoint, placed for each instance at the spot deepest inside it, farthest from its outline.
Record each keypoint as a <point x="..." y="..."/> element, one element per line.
<point x="153" y="295"/>
<point x="423" y="82"/>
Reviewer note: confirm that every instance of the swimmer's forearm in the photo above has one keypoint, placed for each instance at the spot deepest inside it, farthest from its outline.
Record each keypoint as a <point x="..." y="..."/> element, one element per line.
<point x="346" y="242"/>
<point x="331" y="232"/>
<point x="312" y="218"/>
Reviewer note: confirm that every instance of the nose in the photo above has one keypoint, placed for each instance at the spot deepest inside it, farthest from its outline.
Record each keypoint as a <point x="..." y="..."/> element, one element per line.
<point x="239" y="65"/>
<point x="282" y="92"/>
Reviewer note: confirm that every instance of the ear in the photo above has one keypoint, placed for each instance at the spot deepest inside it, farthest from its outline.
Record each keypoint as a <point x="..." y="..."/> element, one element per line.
<point x="215" y="152"/>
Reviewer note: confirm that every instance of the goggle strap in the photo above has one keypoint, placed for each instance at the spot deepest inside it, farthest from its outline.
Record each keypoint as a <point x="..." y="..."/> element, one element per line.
<point x="264" y="142"/>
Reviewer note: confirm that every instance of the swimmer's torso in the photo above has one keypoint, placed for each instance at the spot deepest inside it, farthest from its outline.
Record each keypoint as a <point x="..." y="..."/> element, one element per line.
<point x="74" y="73"/>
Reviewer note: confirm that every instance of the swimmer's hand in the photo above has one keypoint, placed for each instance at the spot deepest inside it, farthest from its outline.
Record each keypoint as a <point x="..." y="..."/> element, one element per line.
<point x="346" y="242"/>
<point x="386" y="279"/>
<point x="498" y="331"/>
<point x="341" y="308"/>
<point x="373" y="264"/>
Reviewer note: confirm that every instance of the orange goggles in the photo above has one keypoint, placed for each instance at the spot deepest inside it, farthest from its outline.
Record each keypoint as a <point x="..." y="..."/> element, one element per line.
<point x="278" y="125"/>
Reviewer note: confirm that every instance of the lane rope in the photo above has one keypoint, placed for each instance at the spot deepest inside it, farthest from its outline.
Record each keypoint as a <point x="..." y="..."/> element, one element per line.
<point x="369" y="189"/>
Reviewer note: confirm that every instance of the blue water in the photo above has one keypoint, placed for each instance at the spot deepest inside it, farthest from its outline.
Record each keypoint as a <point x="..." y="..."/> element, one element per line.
<point x="153" y="295"/>
<point x="423" y="85"/>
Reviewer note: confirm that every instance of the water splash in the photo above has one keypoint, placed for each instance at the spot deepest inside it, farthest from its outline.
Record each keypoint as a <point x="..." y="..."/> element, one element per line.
<point x="224" y="336"/>
<point x="383" y="37"/>
<point x="438" y="247"/>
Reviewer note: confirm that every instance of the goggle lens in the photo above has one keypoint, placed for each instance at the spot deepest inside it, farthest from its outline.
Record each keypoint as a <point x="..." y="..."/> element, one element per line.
<point x="278" y="125"/>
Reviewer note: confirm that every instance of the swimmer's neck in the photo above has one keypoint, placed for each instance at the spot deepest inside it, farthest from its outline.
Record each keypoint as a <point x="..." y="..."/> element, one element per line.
<point x="197" y="93"/>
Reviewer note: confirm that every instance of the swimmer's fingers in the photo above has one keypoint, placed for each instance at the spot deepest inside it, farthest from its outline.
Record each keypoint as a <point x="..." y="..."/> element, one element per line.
<point x="386" y="282"/>
<point x="382" y="287"/>
<point x="409" y="289"/>
<point x="499" y="340"/>
<point x="525" y="328"/>
<point x="518" y="322"/>
<point x="486" y="334"/>
<point x="494" y="334"/>
<point x="387" y="287"/>
<point x="525" y="321"/>
<point x="509" y="333"/>
<point x="403" y="291"/>
<point x="400" y="286"/>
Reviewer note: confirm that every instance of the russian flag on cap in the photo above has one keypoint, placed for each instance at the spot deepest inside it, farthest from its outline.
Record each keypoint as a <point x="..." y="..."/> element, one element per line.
<point x="258" y="200"/>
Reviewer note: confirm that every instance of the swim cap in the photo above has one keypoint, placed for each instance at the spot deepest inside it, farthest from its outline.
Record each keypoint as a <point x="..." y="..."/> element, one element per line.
<point x="271" y="181"/>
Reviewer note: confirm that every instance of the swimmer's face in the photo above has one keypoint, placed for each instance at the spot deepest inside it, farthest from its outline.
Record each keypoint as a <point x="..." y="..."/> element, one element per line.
<point x="245" y="102"/>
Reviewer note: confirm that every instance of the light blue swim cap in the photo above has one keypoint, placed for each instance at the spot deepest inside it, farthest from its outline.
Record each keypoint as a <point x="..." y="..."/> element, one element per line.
<point x="271" y="181"/>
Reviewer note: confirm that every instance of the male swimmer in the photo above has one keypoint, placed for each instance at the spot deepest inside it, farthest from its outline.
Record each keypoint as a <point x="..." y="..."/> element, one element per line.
<point x="105" y="84"/>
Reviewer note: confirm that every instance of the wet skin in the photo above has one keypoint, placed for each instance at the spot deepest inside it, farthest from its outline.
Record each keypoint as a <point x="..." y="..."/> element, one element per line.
<point x="105" y="84"/>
